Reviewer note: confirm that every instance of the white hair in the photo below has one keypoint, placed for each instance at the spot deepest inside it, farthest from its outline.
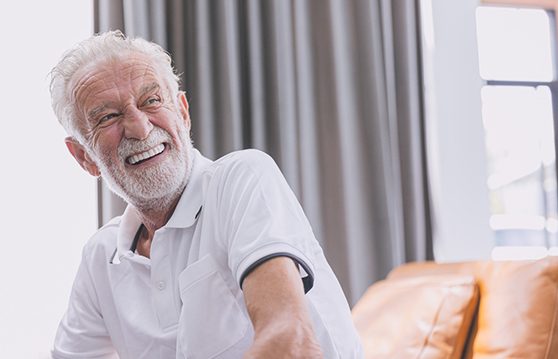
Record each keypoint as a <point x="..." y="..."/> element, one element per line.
<point x="96" y="49"/>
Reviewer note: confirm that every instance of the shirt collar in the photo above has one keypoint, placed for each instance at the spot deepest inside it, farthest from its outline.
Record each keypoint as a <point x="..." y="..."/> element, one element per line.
<point x="184" y="215"/>
<point x="189" y="204"/>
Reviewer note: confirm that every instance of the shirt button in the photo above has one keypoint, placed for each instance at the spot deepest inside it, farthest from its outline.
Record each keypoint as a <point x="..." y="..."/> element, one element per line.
<point x="161" y="285"/>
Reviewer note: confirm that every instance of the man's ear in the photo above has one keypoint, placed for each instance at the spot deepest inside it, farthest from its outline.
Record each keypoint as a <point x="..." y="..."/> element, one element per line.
<point x="183" y="107"/>
<point x="81" y="156"/>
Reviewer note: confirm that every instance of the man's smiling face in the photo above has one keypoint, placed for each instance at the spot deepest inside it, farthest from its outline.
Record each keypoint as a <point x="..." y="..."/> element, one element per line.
<point x="136" y="132"/>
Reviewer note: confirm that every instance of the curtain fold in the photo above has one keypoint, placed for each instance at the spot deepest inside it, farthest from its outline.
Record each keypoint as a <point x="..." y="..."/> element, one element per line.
<point x="331" y="89"/>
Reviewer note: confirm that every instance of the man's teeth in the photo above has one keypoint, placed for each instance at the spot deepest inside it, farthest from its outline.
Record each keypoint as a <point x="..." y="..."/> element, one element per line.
<point x="147" y="154"/>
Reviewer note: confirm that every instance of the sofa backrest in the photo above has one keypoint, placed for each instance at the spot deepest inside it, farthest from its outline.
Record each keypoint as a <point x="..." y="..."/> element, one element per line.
<point x="518" y="309"/>
<point x="417" y="317"/>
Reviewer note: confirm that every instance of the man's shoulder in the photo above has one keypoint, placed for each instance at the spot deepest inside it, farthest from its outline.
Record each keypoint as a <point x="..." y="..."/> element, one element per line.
<point x="103" y="241"/>
<point x="243" y="162"/>
<point x="245" y="156"/>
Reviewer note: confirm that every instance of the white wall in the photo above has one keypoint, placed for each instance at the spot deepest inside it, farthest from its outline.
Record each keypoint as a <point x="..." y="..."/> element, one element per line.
<point x="47" y="204"/>
<point x="456" y="145"/>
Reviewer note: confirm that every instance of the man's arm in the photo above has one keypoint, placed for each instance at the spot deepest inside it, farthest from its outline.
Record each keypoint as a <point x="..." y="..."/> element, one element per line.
<point x="274" y="296"/>
<point x="82" y="332"/>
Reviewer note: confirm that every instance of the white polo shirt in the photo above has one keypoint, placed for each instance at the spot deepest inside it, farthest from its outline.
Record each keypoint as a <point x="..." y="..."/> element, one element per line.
<point x="186" y="301"/>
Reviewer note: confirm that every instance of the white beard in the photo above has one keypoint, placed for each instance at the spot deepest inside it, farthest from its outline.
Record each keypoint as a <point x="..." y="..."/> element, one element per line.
<point x="155" y="186"/>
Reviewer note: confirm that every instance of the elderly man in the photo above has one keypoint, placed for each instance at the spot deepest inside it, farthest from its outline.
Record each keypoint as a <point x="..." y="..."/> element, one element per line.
<point x="210" y="259"/>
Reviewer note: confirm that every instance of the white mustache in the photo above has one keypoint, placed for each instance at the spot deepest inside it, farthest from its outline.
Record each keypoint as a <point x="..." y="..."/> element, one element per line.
<point x="130" y="146"/>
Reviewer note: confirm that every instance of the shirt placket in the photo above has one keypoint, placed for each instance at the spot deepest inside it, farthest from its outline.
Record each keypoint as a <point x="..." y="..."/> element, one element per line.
<point x="162" y="283"/>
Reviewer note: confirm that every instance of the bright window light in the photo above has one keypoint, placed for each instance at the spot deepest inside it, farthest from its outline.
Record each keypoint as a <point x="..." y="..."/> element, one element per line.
<point x="514" y="44"/>
<point x="517" y="62"/>
<point x="519" y="131"/>
<point x="510" y="221"/>
<point x="48" y="204"/>
<point x="519" y="135"/>
<point x="511" y="253"/>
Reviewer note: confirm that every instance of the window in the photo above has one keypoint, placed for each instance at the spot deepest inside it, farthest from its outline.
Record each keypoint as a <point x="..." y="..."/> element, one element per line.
<point x="518" y="64"/>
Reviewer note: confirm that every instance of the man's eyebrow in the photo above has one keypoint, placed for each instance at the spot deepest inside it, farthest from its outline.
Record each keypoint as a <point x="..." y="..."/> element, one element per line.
<point x="145" y="89"/>
<point x="149" y="88"/>
<point x="95" y="111"/>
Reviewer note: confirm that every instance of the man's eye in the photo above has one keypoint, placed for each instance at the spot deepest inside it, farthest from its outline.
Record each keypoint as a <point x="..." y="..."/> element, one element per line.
<point x="151" y="101"/>
<point x="108" y="117"/>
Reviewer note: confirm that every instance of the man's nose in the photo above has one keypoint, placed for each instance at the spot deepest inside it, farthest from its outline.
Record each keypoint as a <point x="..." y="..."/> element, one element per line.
<point x="136" y="124"/>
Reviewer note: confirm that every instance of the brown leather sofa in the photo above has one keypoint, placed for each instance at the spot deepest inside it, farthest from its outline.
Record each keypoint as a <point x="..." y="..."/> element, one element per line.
<point x="480" y="310"/>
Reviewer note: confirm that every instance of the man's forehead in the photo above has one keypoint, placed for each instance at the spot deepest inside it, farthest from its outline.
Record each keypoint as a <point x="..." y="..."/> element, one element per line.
<point x="121" y="68"/>
<point x="135" y="71"/>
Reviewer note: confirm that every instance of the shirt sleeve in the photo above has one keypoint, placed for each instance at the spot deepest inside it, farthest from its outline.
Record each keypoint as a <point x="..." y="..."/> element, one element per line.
<point x="82" y="332"/>
<point x="262" y="217"/>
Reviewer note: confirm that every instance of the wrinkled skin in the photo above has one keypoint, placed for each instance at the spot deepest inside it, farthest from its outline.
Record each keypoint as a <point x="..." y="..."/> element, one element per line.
<point x="125" y="108"/>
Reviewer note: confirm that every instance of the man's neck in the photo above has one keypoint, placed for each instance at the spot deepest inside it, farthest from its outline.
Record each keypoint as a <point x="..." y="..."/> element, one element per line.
<point x="156" y="214"/>
<point x="152" y="218"/>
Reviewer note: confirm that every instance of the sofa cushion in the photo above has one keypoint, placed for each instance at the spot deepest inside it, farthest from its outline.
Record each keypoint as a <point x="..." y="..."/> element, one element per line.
<point x="423" y="317"/>
<point x="518" y="307"/>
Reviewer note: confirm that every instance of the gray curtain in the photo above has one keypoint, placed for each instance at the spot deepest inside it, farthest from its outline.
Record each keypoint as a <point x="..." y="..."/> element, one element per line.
<point x="330" y="88"/>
